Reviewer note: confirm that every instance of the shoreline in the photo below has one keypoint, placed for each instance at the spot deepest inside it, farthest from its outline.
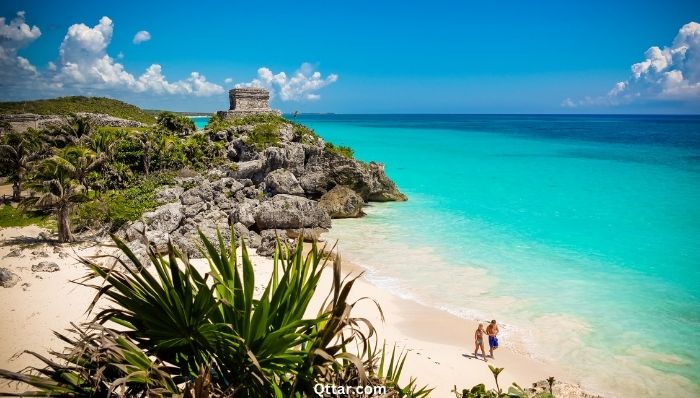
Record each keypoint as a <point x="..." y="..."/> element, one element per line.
<point x="436" y="340"/>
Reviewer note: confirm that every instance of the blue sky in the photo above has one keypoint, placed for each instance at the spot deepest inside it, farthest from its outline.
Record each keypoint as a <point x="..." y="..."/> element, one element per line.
<point x="371" y="56"/>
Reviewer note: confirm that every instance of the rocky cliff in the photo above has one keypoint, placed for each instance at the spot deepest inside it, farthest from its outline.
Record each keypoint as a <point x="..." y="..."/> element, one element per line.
<point x="283" y="186"/>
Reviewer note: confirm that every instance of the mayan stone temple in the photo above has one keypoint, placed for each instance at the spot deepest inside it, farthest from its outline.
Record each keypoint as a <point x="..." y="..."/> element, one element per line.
<point x="248" y="101"/>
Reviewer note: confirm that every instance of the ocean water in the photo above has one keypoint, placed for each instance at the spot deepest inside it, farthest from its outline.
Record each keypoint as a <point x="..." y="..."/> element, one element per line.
<point x="581" y="234"/>
<point x="200" y="121"/>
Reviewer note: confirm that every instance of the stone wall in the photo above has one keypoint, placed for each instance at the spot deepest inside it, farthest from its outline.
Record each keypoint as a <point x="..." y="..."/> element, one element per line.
<point x="248" y="101"/>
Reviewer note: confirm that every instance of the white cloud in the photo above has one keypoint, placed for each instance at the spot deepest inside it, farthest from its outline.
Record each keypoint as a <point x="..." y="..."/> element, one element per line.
<point x="669" y="73"/>
<point x="302" y="85"/>
<point x="85" y="62"/>
<point x="15" y="35"/>
<point x="83" y="66"/>
<point x="228" y="80"/>
<point x="141" y="36"/>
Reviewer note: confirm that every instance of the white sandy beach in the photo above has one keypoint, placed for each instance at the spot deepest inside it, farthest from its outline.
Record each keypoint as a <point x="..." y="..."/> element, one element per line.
<point x="437" y="341"/>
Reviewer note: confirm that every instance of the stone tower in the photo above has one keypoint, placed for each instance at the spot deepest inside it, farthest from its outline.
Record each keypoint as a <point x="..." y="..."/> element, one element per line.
<point x="248" y="101"/>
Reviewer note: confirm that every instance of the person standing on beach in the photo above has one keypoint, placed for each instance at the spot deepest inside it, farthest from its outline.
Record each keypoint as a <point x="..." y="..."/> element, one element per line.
<point x="479" y="341"/>
<point x="492" y="331"/>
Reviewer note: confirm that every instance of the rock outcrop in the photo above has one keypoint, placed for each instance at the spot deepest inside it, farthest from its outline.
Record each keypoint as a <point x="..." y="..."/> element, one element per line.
<point x="23" y="121"/>
<point x="289" y="190"/>
<point x="342" y="202"/>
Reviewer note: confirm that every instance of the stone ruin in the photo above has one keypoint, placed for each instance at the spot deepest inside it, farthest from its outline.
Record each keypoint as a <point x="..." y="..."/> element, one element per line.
<point x="248" y="101"/>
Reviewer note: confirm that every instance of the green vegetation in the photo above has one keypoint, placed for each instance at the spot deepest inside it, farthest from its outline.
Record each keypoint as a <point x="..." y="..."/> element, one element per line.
<point x="263" y="135"/>
<point x="70" y="105"/>
<point x="115" y="208"/>
<point x="344" y="151"/>
<point x="11" y="216"/>
<point x="171" y="330"/>
<point x="515" y="391"/>
<point x="218" y="123"/>
<point x="55" y="179"/>
<point x="102" y="172"/>
<point x="175" y="123"/>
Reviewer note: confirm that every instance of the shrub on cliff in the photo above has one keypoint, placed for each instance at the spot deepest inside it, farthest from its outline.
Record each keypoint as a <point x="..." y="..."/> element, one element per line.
<point x="344" y="151"/>
<point x="263" y="135"/>
<point x="175" y="123"/>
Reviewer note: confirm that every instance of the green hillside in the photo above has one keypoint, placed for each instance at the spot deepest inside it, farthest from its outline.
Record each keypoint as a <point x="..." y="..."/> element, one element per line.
<point x="67" y="105"/>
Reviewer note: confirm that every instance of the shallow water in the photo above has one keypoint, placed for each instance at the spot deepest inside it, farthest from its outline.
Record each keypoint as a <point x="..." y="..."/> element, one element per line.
<point x="578" y="232"/>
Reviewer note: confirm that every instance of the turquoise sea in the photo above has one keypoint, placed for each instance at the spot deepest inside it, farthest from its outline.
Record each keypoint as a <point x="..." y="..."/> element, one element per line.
<point x="580" y="234"/>
<point x="200" y="121"/>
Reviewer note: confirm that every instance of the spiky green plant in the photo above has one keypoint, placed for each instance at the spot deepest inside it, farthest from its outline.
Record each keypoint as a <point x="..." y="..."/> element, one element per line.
<point x="174" y="321"/>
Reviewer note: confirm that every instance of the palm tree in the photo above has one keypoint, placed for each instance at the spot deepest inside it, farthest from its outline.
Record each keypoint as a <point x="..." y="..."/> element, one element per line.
<point x="70" y="132"/>
<point x="84" y="162"/>
<point x="147" y="142"/>
<point x="16" y="153"/>
<point x="54" y="179"/>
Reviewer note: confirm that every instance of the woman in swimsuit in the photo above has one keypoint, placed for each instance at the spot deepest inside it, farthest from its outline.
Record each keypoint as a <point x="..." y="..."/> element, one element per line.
<point x="479" y="341"/>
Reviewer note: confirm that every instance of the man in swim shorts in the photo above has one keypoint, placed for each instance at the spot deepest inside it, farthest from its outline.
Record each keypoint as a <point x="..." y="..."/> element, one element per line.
<point x="492" y="332"/>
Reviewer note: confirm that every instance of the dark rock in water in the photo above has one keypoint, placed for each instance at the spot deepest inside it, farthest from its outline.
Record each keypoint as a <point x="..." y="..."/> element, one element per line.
<point x="45" y="266"/>
<point x="8" y="278"/>
<point x="290" y="212"/>
<point x="342" y="202"/>
<point x="284" y="182"/>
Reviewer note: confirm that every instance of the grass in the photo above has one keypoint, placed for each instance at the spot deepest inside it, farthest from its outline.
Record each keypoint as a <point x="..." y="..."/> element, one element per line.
<point x="11" y="216"/>
<point x="68" y="105"/>
<point x="344" y="151"/>
<point x="263" y="136"/>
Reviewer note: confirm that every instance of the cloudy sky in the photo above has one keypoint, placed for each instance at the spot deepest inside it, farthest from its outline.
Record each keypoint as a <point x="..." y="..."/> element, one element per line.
<point x="361" y="56"/>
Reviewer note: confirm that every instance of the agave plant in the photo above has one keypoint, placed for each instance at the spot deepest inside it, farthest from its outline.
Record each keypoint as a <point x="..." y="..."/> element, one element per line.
<point x="195" y="334"/>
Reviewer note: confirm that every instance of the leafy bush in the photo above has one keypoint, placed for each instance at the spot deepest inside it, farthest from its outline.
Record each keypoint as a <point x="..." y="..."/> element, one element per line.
<point x="515" y="391"/>
<point x="263" y="136"/>
<point x="69" y="105"/>
<point x="344" y="151"/>
<point x="115" y="208"/>
<point x="218" y="123"/>
<point x="176" y="123"/>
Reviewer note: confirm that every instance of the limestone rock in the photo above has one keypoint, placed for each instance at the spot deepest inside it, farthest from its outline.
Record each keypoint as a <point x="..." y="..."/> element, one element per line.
<point x="290" y="212"/>
<point x="165" y="218"/>
<point x="307" y="234"/>
<point x="560" y="390"/>
<point x="244" y="212"/>
<point x="342" y="202"/>
<point x="45" y="266"/>
<point x="269" y="239"/>
<point x="283" y="181"/>
<point x="8" y="278"/>
<point x="169" y="194"/>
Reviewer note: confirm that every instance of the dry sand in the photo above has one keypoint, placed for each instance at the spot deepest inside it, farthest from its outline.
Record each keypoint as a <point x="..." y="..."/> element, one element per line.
<point x="440" y="345"/>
